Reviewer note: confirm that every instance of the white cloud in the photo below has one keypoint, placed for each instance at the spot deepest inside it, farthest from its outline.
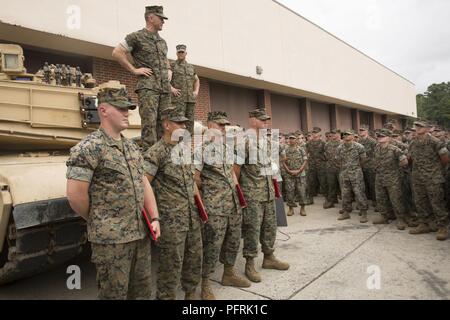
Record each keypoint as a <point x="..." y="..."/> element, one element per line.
<point x="410" y="37"/>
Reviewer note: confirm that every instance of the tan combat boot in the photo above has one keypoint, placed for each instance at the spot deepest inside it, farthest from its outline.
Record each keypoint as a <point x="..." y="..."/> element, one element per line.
<point x="420" y="229"/>
<point x="380" y="220"/>
<point x="401" y="224"/>
<point x="303" y="211"/>
<point x="189" y="295"/>
<point x="290" y="212"/>
<point x="230" y="278"/>
<point x="251" y="272"/>
<point x="270" y="262"/>
<point x="207" y="292"/>
<point x="344" y="215"/>
<point x="328" y="205"/>
<point x="442" y="234"/>
<point x="363" y="214"/>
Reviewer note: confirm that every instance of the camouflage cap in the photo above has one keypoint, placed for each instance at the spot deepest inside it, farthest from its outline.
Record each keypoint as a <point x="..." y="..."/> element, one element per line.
<point x="348" y="132"/>
<point x="364" y="128"/>
<point x="259" y="114"/>
<point x="420" y="124"/>
<point x="292" y="136"/>
<point x="158" y="10"/>
<point x="174" y="114"/>
<point x="407" y="130"/>
<point x="115" y="97"/>
<point x="181" y="47"/>
<point x="219" y="117"/>
<point x="388" y="125"/>
<point x="316" y="130"/>
<point x="335" y="131"/>
<point x="383" y="133"/>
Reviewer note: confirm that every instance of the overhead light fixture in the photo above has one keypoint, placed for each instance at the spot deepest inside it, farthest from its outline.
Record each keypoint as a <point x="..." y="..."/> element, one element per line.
<point x="259" y="70"/>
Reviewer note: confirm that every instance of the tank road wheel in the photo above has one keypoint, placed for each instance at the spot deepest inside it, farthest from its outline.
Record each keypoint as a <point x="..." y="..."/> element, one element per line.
<point x="33" y="250"/>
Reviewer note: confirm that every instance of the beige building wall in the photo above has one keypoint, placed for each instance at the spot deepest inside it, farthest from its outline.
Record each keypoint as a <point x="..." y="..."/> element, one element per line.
<point x="285" y="113"/>
<point x="225" y="37"/>
<point x="345" y="117"/>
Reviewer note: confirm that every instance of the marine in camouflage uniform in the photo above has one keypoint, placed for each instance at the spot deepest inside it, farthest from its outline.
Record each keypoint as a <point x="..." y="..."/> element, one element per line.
<point x="259" y="220"/>
<point x="185" y="86"/>
<point x="426" y="153"/>
<point x="120" y="244"/>
<point x="349" y="155"/>
<point x="332" y="167"/>
<point x="317" y="176"/>
<point x="294" y="160"/>
<point x="222" y="232"/>
<point x="181" y="241"/>
<point x="368" y="167"/>
<point x="388" y="161"/>
<point x="149" y="50"/>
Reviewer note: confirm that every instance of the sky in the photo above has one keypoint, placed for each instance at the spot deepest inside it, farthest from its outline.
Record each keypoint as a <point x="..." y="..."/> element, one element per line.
<point x="411" y="37"/>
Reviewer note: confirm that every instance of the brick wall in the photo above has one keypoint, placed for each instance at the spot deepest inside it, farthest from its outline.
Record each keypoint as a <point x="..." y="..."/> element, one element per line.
<point x="203" y="105"/>
<point x="105" y="70"/>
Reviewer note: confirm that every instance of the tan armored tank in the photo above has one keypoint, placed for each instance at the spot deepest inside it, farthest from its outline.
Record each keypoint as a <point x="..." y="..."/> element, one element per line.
<point x="39" y="122"/>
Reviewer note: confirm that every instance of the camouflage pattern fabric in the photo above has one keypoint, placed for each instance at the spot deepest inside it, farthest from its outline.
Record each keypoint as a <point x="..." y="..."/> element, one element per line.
<point x="183" y="78"/>
<point x="317" y="176"/>
<point x="388" y="180"/>
<point x="295" y="186"/>
<point x="150" y="105"/>
<point x="123" y="270"/>
<point x="349" y="156"/>
<point x="332" y="170"/>
<point x="259" y="225"/>
<point x="368" y="167"/>
<point x="222" y="232"/>
<point x="149" y="50"/>
<point x="427" y="179"/>
<point x="181" y="242"/>
<point x="114" y="170"/>
<point x="259" y="220"/>
<point x="221" y="241"/>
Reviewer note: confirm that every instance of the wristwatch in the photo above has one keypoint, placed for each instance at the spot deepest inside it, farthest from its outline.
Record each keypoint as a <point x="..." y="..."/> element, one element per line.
<point x="155" y="219"/>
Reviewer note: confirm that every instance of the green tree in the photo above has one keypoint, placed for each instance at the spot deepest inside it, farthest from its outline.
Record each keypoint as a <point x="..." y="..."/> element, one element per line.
<point x="434" y="104"/>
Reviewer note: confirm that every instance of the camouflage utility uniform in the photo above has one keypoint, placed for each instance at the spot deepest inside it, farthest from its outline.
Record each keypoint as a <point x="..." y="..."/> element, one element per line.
<point x="149" y="50"/>
<point x="368" y="167"/>
<point x="295" y="157"/>
<point x="349" y="156"/>
<point x="222" y="232"/>
<point x="428" y="180"/>
<point x="118" y="236"/>
<point x="183" y="78"/>
<point x="317" y="176"/>
<point x="181" y="240"/>
<point x="332" y="169"/>
<point x="388" y="181"/>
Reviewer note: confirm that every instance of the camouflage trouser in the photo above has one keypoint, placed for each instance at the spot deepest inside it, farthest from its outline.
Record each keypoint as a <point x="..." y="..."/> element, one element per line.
<point x="283" y="184"/>
<point x="317" y="180"/>
<point x="189" y="112"/>
<point x="180" y="256"/>
<point x="150" y="105"/>
<point x="408" y="199"/>
<point x="333" y="184"/>
<point x="389" y="197"/>
<point x="430" y="195"/>
<point x="123" y="270"/>
<point x="221" y="238"/>
<point x="259" y="225"/>
<point x="369" y="182"/>
<point x="353" y="181"/>
<point x="295" y="190"/>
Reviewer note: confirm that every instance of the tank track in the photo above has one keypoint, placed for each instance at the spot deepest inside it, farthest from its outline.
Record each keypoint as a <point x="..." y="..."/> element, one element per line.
<point x="31" y="251"/>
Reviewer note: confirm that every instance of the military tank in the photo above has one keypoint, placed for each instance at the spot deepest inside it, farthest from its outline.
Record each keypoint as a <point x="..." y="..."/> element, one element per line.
<point x="40" y="120"/>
